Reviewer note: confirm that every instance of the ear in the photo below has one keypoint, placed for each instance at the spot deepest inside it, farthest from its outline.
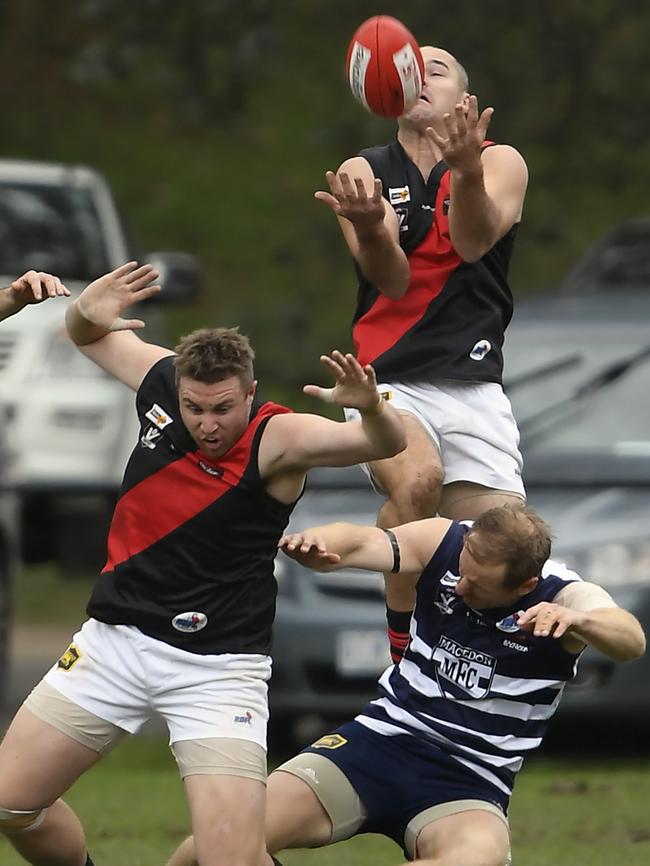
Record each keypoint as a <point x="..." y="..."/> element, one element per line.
<point x="528" y="586"/>
<point x="251" y="390"/>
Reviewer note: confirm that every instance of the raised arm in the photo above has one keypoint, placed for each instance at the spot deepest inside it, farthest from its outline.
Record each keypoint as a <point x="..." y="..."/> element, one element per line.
<point x="369" y="224"/>
<point x="488" y="185"/>
<point x="584" y="613"/>
<point x="293" y="443"/>
<point x="95" y="323"/>
<point x="33" y="287"/>
<point x="406" y="548"/>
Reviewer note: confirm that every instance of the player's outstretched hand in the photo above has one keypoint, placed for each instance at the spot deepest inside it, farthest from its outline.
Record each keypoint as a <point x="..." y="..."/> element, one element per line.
<point x="356" y="386"/>
<point x="348" y="198"/>
<point x="308" y="549"/>
<point x="549" y="620"/>
<point x="459" y="136"/>
<point x="34" y="287"/>
<point x="103" y="301"/>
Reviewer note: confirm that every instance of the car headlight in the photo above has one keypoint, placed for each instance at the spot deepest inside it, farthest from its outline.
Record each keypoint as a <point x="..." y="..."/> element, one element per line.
<point x="614" y="564"/>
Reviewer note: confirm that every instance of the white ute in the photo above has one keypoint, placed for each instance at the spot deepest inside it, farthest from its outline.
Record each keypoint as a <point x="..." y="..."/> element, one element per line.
<point x="70" y="427"/>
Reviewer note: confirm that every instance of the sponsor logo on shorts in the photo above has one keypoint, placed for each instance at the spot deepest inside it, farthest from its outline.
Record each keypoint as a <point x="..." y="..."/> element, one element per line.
<point x="468" y="669"/>
<point x="245" y="719"/>
<point x="330" y="741"/>
<point x="309" y="771"/>
<point x="480" y="350"/>
<point x="386" y="395"/>
<point x="158" y="416"/>
<point x="190" y="621"/>
<point x="399" y="194"/>
<point x="69" y="658"/>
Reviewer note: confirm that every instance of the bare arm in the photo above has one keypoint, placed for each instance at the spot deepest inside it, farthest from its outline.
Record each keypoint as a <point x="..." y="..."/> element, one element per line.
<point x="32" y="288"/>
<point x="487" y="186"/>
<point x="603" y="624"/>
<point x="346" y="545"/>
<point x="296" y="442"/>
<point x="95" y="323"/>
<point x="369" y="224"/>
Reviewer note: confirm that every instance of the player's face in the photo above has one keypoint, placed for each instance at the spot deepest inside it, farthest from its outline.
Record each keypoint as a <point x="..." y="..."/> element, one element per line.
<point x="442" y="89"/>
<point x="480" y="585"/>
<point x="217" y="414"/>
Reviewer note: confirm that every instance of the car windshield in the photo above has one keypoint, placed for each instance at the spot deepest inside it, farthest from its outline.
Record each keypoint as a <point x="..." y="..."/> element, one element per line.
<point x="48" y="228"/>
<point x="614" y="419"/>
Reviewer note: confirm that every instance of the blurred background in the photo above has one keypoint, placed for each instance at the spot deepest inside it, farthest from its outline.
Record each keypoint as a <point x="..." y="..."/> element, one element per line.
<point x="213" y="123"/>
<point x="215" y="120"/>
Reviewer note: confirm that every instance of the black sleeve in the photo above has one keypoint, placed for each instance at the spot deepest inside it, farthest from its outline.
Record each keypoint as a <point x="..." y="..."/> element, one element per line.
<point x="158" y="386"/>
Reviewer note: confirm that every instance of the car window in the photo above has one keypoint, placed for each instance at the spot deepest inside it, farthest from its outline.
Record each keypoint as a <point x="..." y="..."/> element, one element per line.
<point x="613" y="419"/>
<point x="48" y="228"/>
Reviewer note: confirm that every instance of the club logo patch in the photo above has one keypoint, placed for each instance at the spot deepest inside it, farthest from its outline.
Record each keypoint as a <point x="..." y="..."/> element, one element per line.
<point x="480" y="350"/>
<point x="158" y="416"/>
<point x="402" y="216"/>
<point x="148" y="438"/>
<point x="330" y="741"/>
<point x="508" y="624"/>
<point x="462" y="669"/>
<point x="190" y="621"/>
<point x="69" y="658"/>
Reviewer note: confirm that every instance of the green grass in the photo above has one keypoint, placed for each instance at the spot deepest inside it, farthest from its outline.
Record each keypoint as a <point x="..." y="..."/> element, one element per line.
<point x="563" y="811"/>
<point x="44" y="595"/>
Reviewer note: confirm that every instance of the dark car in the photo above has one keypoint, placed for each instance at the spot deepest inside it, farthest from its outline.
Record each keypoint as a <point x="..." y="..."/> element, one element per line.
<point x="578" y="375"/>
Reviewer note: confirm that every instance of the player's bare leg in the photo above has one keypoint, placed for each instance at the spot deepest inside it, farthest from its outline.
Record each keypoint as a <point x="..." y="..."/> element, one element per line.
<point x="37" y="764"/>
<point x="294" y="819"/>
<point x="465" y="500"/>
<point x="473" y="838"/>
<point x="227" y="819"/>
<point x="412" y="481"/>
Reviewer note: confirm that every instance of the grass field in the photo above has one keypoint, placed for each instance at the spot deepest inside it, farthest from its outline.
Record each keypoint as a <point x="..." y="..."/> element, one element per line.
<point x="564" y="812"/>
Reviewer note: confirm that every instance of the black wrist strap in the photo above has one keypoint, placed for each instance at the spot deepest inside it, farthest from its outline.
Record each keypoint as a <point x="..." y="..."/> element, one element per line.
<point x="395" y="546"/>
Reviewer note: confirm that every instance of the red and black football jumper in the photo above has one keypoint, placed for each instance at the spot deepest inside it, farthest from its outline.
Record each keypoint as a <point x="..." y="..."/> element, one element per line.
<point x="190" y="534"/>
<point x="452" y="310"/>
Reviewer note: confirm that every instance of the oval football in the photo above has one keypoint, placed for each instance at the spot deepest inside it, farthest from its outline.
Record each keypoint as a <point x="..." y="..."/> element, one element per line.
<point x="384" y="66"/>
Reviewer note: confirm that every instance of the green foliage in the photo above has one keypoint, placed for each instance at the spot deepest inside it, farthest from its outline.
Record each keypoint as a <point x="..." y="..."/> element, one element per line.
<point x="216" y="119"/>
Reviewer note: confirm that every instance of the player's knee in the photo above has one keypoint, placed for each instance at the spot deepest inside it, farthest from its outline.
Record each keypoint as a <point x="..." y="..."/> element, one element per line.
<point x="416" y="493"/>
<point x="15" y="821"/>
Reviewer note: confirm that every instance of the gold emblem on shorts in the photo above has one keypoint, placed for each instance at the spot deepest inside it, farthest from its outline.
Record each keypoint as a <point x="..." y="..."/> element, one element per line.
<point x="69" y="658"/>
<point x="386" y="395"/>
<point x="329" y="741"/>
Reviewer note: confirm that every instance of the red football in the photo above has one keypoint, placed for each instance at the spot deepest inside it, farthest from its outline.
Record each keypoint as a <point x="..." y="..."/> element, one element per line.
<point x="384" y="66"/>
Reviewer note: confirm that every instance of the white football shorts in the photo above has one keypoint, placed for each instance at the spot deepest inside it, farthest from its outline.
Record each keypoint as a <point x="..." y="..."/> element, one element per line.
<point x="125" y="677"/>
<point x="471" y="424"/>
